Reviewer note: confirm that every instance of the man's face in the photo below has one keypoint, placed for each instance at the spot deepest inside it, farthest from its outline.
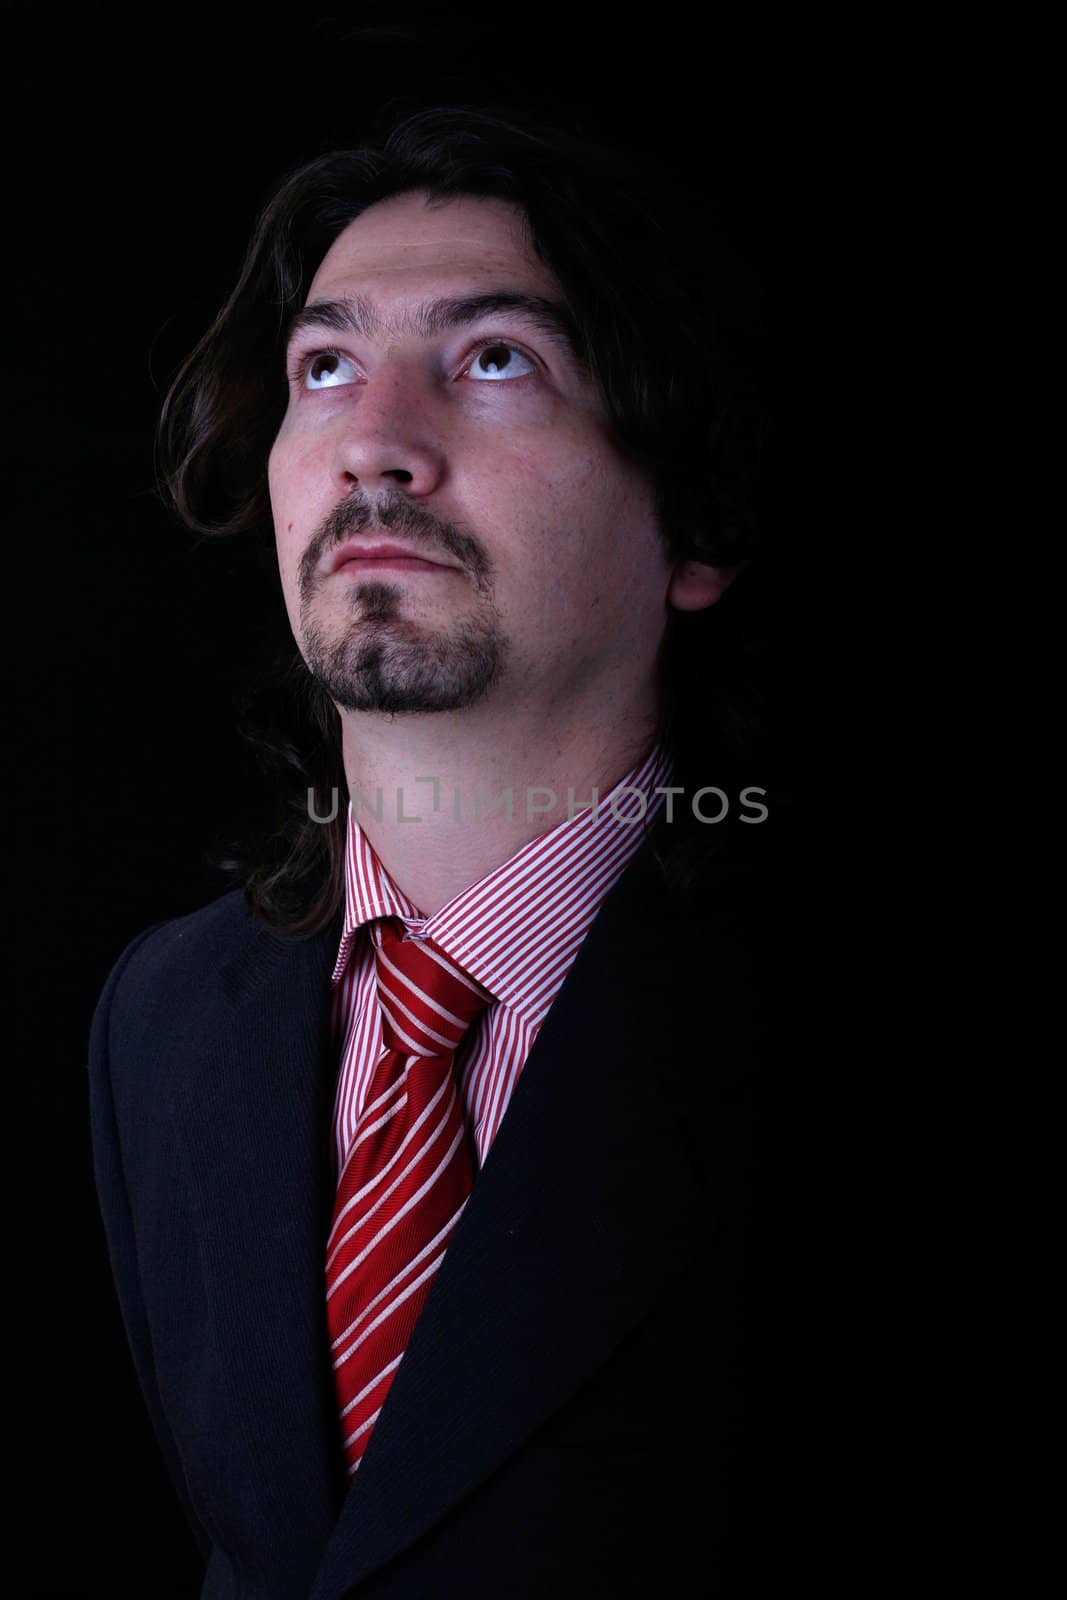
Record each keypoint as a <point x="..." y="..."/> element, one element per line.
<point x="478" y="445"/>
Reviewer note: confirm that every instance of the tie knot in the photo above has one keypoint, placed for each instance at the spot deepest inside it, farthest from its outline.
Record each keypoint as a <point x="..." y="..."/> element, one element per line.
<point x="427" y="1001"/>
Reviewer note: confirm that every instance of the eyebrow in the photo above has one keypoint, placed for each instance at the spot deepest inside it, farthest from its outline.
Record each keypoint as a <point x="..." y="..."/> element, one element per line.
<point x="358" y="317"/>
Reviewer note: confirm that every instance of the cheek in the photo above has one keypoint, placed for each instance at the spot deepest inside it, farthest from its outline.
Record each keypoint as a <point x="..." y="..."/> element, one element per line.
<point x="546" y="495"/>
<point x="596" y="525"/>
<point x="292" y="508"/>
<point x="282" y="475"/>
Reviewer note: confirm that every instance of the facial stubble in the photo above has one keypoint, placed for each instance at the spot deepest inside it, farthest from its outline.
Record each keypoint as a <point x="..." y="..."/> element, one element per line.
<point x="385" y="662"/>
<point x="381" y="659"/>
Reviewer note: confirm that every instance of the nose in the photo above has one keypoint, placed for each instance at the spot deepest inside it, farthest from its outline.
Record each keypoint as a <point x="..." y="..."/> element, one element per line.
<point x="391" y="436"/>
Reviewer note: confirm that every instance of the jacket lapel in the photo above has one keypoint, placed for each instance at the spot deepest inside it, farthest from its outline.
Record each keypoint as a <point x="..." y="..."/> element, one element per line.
<point x="585" y="1209"/>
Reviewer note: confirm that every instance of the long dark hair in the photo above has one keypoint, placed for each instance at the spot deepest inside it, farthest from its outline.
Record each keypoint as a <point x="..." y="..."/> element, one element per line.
<point x="641" y="292"/>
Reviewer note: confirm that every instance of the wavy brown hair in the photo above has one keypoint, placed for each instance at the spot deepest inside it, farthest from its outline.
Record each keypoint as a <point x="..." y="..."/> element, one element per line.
<point x="643" y="297"/>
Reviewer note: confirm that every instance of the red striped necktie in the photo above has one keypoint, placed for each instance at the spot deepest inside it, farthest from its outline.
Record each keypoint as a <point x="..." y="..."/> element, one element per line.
<point x="406" y="1178"/>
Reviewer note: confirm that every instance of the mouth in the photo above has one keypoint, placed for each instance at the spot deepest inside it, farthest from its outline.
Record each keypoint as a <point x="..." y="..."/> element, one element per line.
<point x="368" y="556"/>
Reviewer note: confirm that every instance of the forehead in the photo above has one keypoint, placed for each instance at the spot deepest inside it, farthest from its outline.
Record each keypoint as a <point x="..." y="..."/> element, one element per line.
<point x="402" y="247"/>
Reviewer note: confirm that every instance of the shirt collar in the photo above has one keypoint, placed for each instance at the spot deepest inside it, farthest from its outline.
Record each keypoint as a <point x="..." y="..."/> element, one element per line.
<point x="514" y="927"/>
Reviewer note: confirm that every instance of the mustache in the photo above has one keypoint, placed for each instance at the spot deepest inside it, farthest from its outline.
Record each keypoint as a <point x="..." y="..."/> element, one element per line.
<point x="394" y="513"/>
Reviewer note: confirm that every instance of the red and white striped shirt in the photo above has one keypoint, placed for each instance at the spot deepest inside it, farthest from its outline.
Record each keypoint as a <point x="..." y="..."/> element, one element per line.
<point x="516" y="932"/>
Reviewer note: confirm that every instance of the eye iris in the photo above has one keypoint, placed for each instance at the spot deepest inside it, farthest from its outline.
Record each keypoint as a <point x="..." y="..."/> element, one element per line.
<point x="488" y="358"/>
<point x="316" y="369"/>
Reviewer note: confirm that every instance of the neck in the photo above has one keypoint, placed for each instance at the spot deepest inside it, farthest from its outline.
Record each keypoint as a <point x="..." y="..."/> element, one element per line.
<point x="431" y="791"/>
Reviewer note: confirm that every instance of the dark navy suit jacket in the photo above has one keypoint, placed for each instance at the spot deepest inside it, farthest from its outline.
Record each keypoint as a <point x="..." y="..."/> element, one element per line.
<point x="584" y="1404"/>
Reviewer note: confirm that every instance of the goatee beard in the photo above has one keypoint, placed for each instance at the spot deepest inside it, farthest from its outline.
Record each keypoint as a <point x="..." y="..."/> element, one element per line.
<point x="387" y="664"/>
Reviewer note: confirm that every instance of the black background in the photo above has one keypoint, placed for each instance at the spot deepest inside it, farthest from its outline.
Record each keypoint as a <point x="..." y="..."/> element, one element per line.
<point x="145" y="140"/>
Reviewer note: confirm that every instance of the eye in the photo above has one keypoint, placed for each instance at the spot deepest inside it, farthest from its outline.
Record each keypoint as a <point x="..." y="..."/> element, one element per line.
<point x="325" y="369"/>
<point x="497" y="360"/>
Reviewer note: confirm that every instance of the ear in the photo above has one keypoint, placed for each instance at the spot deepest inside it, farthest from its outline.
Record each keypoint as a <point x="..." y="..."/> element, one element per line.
<point x="693" y="585"/>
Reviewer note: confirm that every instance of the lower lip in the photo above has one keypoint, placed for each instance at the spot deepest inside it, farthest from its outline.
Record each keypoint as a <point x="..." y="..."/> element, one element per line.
<point x="400" y="563"/>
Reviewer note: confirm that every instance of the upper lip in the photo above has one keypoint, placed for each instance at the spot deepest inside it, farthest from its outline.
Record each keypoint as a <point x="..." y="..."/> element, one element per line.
<point x="367" y="549"/>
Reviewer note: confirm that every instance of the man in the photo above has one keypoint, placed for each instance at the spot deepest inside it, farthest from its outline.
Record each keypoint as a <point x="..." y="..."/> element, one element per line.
<point x="427" y="1161"/>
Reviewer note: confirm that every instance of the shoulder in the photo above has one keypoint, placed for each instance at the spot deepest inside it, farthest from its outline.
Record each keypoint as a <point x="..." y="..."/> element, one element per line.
<point x="172" y="1024"/>
<point x="169" y="982"/>
<point x="176" y="957"/>
<point x="180" y="986"/>
<point x="193" y="941"/>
